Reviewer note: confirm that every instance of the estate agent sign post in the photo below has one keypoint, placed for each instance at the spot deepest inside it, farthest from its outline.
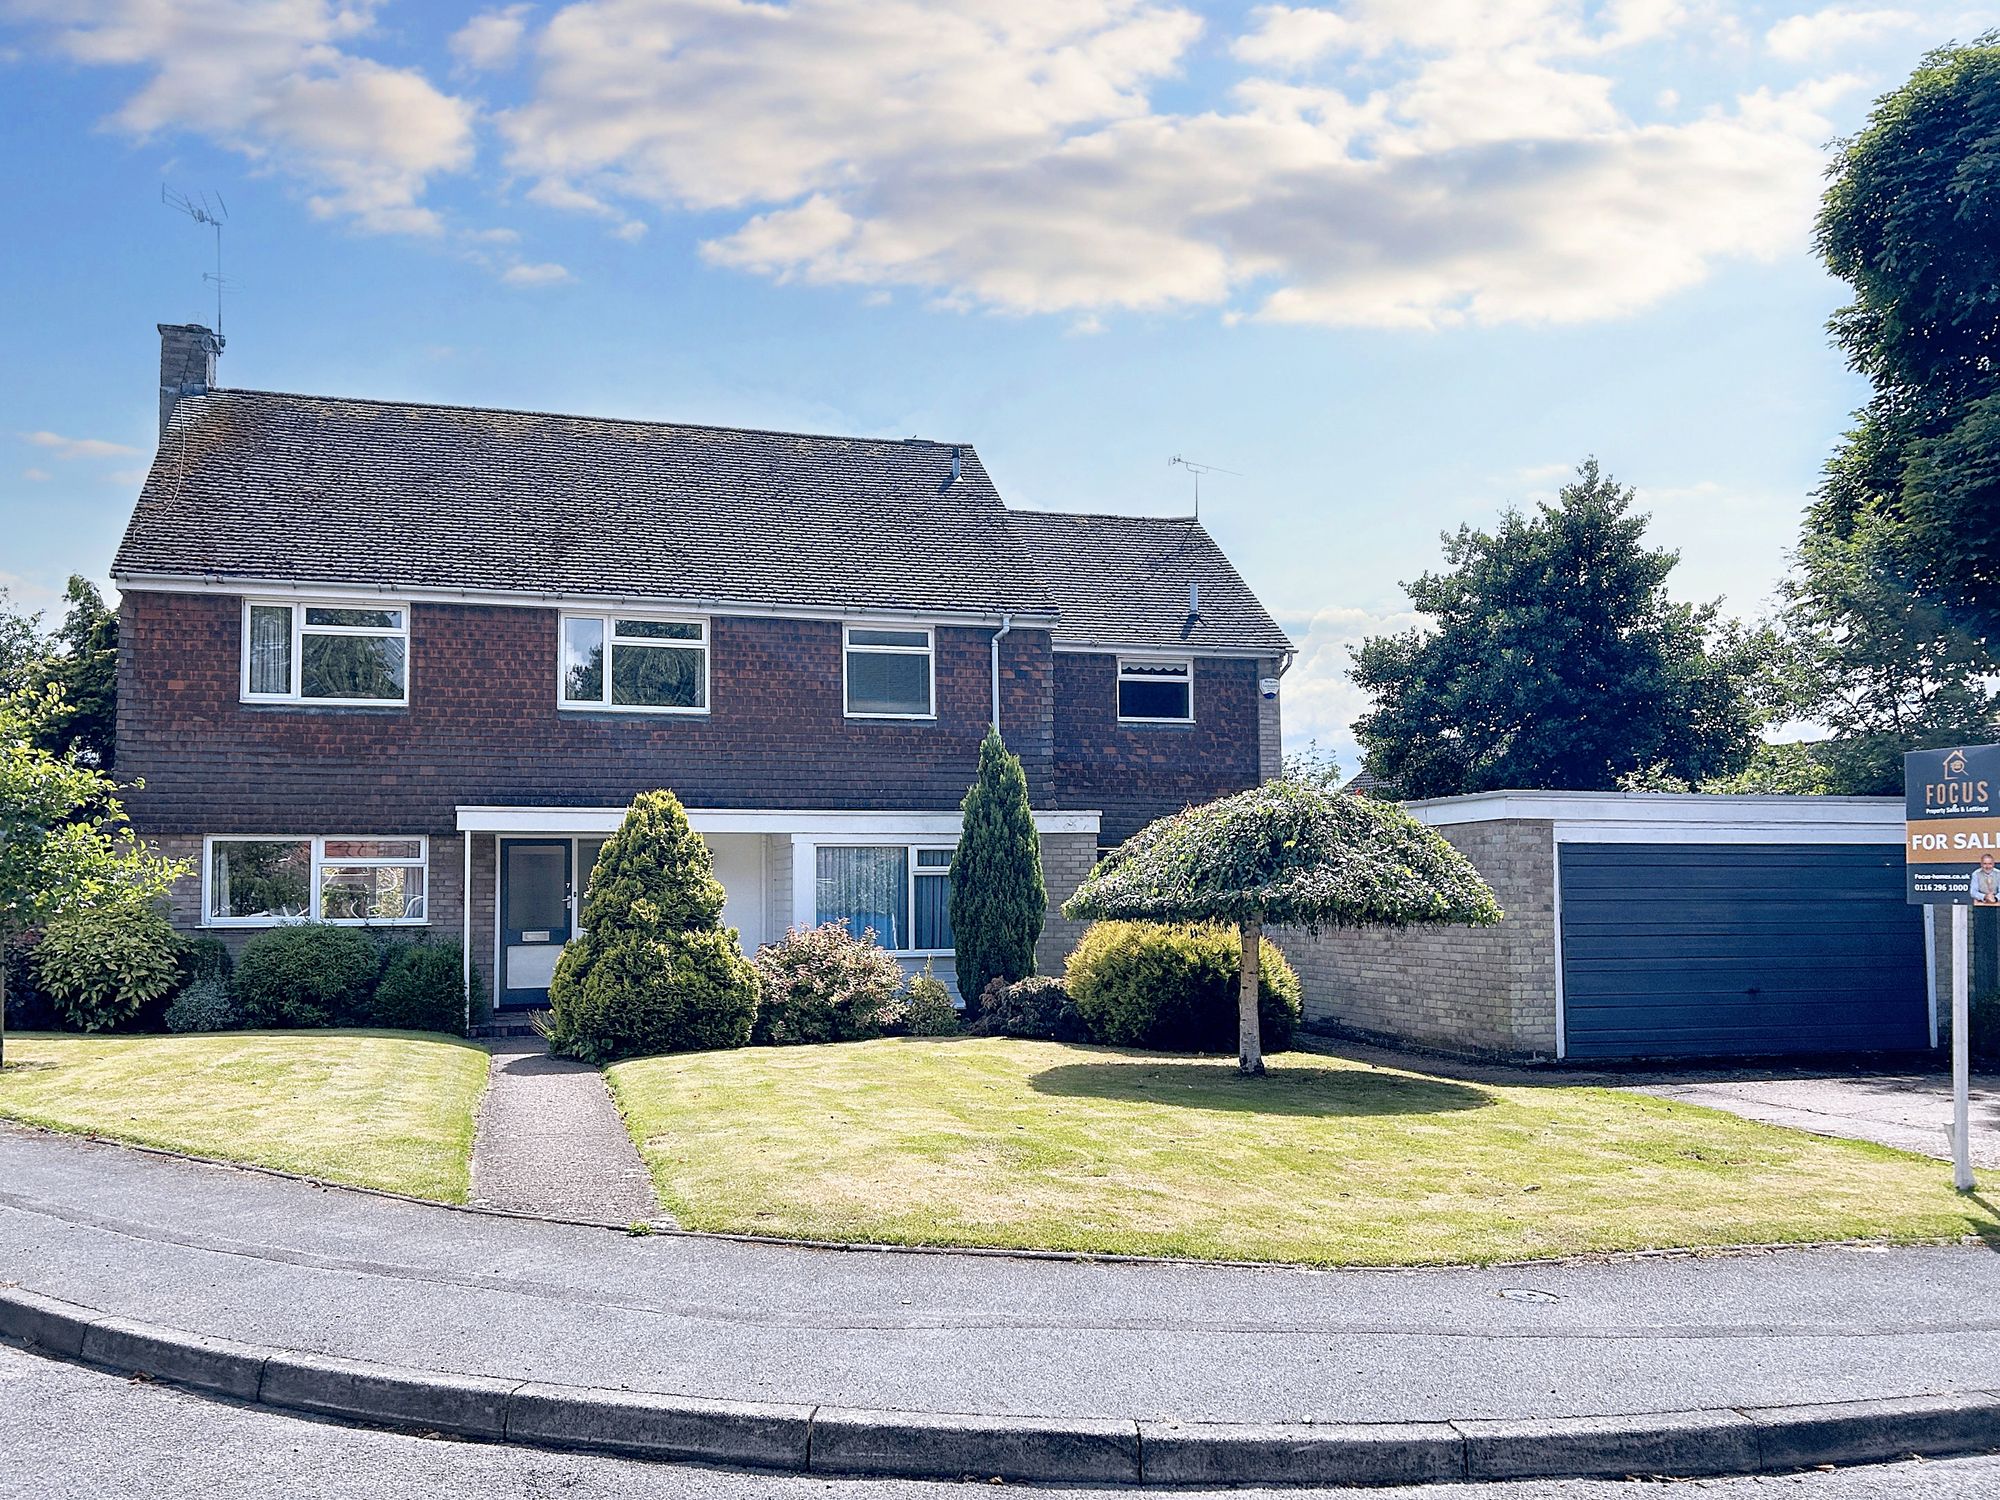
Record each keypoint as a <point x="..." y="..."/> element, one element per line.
<point x="1951" y="857"/>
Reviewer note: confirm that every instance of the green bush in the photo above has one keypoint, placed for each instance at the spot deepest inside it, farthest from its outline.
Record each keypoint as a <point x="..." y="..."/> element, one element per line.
<point x="823" y="984"/>
<point x="102" y="967"/>
<point x="1037" y="1009"/>
<point x="205" y="1005"/>
<point x="206" y="958"/>
<point x="998" y="899"/>
<point x="693" y="992"/>
<point x="925" y="1008"/>
<point x="1173" y="988"/>
<point x="654" y="970"/>
<point x="310" y="974"/>
<point x="423" y="989"/>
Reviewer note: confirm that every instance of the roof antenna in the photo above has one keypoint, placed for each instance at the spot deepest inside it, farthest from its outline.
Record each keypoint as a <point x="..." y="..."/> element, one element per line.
<point x="1198" y="470"/>
<point x="213" y="215"/>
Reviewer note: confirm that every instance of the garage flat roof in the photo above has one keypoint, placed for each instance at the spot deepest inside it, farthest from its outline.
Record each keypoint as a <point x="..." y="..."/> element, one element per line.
<point x="1677" y="817"/>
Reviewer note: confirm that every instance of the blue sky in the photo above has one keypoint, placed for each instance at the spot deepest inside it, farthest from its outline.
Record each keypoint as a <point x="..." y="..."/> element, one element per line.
<point x="1397" y="264"/>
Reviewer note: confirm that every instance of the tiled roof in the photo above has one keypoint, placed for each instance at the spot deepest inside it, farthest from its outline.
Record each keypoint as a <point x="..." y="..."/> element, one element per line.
<point x="260" y="485"/>
<point x="1123" y="581"/>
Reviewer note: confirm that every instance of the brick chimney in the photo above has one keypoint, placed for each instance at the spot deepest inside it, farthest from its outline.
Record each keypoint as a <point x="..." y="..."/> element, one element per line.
<point x="188" y="353"/>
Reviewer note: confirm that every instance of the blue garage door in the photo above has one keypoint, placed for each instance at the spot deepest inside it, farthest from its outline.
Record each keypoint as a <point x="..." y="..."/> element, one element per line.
<point x="1678" y="950"/>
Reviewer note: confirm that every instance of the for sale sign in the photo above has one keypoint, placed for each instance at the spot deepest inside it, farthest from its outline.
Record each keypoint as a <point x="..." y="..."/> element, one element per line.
<point x="1952" y="841"/>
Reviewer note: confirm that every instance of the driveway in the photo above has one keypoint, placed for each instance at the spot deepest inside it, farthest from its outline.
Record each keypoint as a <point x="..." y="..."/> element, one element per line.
<point x="1911" y="1111"/>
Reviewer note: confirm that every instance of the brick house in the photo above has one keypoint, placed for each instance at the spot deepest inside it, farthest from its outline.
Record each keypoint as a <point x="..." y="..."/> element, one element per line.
<point x="404" y="665"/>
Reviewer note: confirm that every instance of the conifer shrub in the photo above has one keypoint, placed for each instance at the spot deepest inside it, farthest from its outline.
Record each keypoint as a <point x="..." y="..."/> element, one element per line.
<point x="998" y="898"/>
<point x="1173" y="988"/>
<point x="423" y="989"/>
<point x="654" y="970"/>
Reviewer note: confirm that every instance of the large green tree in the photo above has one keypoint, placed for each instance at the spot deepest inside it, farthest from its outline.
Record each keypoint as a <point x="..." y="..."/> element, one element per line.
<point x="83" y="662"/>
<point x="998" y="898"/>
<point x="1554" y="658"/>
<point x="1911" y="220"/>
<point x="1893" y="606"/>
<point x="65" y="844"/>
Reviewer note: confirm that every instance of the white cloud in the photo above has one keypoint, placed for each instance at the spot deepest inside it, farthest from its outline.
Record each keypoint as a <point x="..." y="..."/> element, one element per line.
<point x="543" y="273"/>
<point x="71" y="447"/>
<point x="36" y="476"/>
<point x="1819" y="33"/>
<point x="275" y="81"/>
<point x="491" y="39"/>
<point x="1319" y="702"/>
<point x="1385" y="164"/>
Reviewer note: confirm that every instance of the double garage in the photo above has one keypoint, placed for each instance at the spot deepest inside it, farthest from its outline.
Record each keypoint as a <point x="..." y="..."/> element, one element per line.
<point x="1651" y="925"/>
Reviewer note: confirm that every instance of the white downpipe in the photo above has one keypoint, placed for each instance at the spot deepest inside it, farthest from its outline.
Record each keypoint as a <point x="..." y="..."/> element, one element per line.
<point x="465" y="912"/>
<point x="1006" y="626"/>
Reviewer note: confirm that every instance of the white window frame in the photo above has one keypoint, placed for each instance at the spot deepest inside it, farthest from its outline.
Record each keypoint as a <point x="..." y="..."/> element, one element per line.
<point x="910" y="891"/>
<point x="928" y="651"/>
<point x="1120" y="678"/>
<point x="607" y="619"/>
<point x="317" y="845"/>
<point x="298" y="605"/>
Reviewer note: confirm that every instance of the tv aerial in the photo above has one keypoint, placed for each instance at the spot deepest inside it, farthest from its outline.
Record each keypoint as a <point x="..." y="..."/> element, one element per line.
<point x="211" y="215"/>
<point x="1197" y="470"/>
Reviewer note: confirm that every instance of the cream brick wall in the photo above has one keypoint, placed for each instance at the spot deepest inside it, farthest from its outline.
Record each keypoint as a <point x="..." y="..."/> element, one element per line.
<point x="1457" y="989"/>
<point x="1066" y="859"/>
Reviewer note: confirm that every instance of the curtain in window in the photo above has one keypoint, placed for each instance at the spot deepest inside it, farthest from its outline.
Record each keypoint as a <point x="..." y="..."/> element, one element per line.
<point x="270" y="648"/>
<point x="865" y="890"/>
<point x="933" y="911"/>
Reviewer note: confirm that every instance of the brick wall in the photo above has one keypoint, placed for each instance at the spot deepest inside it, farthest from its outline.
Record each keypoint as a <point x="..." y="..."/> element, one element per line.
<point x="1066" y="859"/>
<point x="482" y="726"/>
<point x="1457" y="989"/>
<point x="1134" y="773"/>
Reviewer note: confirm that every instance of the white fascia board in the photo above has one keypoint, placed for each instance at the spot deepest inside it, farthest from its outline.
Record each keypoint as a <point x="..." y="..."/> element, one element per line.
<point x="1093" y="648"/>
<point x="211" y="583"/>
<point x="1677" y="817"/>
<point x="835" y="824"/>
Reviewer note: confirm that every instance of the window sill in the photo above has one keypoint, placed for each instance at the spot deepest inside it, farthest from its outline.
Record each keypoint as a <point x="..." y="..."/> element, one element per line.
<point x="262" y="924"/>
<point x="624" y="711"/>
<point x="378" y="704"/>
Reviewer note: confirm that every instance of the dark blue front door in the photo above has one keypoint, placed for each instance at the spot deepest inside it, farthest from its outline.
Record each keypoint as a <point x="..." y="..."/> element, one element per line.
<point x="534" y="917"/>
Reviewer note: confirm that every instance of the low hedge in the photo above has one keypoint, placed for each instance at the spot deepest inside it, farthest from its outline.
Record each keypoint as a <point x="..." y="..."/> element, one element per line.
<point x="1172" y="988"/>
<point x="310" y="974"/>
<point x="423" y="989"/>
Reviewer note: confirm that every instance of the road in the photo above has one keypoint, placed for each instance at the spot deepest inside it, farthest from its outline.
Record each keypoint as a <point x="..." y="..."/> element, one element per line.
<point x="75" y="1434"/>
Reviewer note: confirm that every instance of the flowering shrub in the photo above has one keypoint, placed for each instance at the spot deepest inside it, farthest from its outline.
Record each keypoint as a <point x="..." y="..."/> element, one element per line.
<point x="822" y="984"/>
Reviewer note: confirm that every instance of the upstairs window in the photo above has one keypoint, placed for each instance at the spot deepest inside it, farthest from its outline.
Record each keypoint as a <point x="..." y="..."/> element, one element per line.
<point x="635" y="663"/>
<point x="888" y="673"/>
<point x="1155" y="691"/>
<point x="260" y="882"/>
<point x="295" y="652"/>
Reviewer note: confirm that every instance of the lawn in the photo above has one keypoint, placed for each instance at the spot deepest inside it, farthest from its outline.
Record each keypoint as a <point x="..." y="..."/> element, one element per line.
<point x="1323" y="1161"/>
<point x="382" y="1109"/>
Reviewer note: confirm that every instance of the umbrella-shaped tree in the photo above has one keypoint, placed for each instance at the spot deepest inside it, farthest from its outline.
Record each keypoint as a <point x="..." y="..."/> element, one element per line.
<point x="1293" y="854"/>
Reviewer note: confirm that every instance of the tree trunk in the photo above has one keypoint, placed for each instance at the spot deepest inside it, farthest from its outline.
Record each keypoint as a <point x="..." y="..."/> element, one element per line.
<point x="3" y="997"/>
<point x="1249" y="1036"/>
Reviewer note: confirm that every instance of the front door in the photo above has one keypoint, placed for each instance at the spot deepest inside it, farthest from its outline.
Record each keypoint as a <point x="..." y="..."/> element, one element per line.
<point x="534" y="917"/>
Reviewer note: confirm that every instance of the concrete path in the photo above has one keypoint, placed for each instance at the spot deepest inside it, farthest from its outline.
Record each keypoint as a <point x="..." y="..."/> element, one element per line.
<point x="267" y="1260"/>
<point x="78" y="1434"/>
<point x="550" y="1142"/>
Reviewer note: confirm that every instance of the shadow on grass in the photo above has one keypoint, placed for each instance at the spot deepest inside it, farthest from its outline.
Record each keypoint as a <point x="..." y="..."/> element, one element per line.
<point x="1290" y="1089"/>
